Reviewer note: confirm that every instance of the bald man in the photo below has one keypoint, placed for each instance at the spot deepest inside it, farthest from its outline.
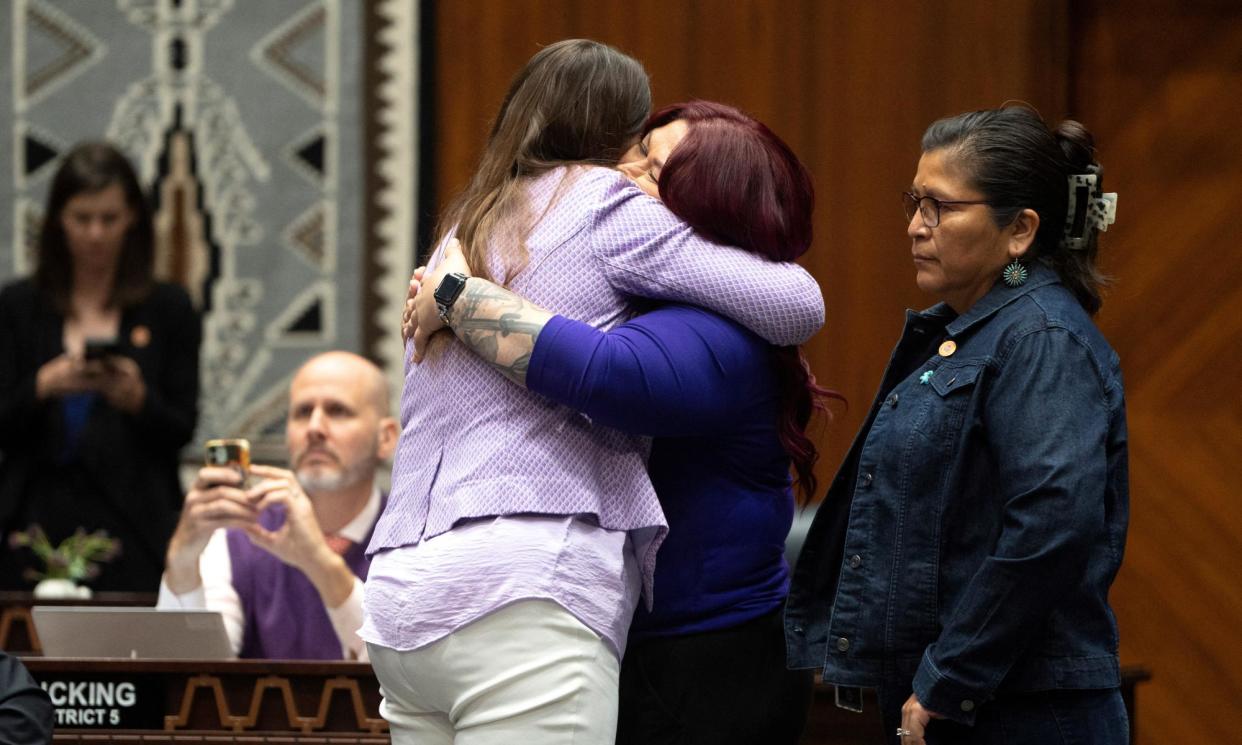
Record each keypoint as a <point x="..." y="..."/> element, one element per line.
<point x="283" y="560"/>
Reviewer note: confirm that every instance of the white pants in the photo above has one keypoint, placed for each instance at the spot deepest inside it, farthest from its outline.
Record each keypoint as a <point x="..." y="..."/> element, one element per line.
<point x="530" y="672"/>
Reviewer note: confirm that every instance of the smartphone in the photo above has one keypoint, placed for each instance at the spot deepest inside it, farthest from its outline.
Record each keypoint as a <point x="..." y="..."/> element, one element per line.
<point x="99" y="348"/>
<point x="230" y="453"/>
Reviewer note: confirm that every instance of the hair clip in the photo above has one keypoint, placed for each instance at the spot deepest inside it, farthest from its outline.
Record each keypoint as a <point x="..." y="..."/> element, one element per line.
<point x="1088" y="209"/>
<point x="1103" y="211"/>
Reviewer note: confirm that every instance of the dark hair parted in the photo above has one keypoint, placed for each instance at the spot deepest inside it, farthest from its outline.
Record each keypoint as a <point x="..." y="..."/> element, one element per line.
<point x="88" y="168"/>
<point x="734" y="181"/>
<point x="575" y="102"/>
<point x="1016" y="162"/>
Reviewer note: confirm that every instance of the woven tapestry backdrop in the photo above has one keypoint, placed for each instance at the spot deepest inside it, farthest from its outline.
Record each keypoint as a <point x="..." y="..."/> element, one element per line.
<point x="277" y="141"/>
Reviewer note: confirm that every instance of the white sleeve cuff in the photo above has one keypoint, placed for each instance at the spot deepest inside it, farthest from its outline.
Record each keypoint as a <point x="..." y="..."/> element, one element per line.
<point x="195" y="599"/>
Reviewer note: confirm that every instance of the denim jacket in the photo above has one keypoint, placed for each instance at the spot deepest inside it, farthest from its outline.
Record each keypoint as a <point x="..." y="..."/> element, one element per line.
<point x="967" y="545"/>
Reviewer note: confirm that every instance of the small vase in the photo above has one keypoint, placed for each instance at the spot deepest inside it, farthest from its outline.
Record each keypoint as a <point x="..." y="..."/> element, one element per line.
<point x="61" y="589"/>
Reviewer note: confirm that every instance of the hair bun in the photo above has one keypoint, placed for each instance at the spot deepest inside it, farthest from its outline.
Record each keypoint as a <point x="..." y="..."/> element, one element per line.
<point x="1077" y="145"/>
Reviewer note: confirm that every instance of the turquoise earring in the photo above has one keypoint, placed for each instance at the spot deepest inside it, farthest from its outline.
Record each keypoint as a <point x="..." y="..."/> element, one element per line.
<point x="1015" y="274"/>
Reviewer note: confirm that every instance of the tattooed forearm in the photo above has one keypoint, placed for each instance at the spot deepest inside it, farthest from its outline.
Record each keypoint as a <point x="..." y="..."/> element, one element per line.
<point x="498" y="325"/>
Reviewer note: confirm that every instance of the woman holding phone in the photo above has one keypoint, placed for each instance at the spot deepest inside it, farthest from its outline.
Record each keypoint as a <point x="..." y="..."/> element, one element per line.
<point x="98" y="377"/>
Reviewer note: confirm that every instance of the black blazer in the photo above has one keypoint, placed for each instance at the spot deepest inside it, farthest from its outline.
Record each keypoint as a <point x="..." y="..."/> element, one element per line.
<point x="25" y="709"/>
<point x="129" y="460"/>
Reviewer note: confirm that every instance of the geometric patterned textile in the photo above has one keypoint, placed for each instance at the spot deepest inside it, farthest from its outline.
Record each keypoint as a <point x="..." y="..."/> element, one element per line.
<point x="277" y="141"/>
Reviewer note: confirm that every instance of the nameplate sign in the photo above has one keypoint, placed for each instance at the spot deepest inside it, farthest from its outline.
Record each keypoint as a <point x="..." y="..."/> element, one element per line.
<point x="105" y="701"/>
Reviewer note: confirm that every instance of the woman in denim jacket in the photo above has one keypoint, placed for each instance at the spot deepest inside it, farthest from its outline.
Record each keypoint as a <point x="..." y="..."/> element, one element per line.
<point x="961" y="560"/>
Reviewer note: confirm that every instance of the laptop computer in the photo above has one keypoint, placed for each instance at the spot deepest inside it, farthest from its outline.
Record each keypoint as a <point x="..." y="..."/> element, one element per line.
<point x="131" y="633"/>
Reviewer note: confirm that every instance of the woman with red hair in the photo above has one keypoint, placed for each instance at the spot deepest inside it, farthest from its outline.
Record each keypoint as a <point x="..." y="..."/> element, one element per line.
<point x="728" y="411"/>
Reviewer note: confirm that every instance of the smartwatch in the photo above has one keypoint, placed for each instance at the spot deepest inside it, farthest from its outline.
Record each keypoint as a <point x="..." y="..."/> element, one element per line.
<point x="447" y="292"/>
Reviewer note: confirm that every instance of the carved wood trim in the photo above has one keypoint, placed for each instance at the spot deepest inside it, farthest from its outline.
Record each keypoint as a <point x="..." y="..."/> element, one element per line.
<point x="305" y="724"/>
<point x="181" y="719"/>
<point x="261" y="686"/>
<point x="365" y="723"/>
<point x="9" y="618"/>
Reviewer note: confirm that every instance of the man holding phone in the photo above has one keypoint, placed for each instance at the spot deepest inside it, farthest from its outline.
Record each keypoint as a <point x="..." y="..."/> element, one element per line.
<point x="280" y="554"/>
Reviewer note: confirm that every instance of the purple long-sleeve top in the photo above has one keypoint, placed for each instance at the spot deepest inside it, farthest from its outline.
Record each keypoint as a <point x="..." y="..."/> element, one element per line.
<point x="705" y="388"/>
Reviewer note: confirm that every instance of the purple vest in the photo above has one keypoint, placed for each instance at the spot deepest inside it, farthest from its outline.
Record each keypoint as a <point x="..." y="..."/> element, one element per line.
<point x="285" y="618"/>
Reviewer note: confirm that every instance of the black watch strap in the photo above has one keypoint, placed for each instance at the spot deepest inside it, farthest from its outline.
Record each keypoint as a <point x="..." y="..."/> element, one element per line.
<point x="447" y="292"/>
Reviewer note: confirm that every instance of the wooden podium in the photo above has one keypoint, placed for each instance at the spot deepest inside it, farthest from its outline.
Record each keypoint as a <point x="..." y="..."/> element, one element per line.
<point x="149" y="701"/>
<point x="167" y="701"/>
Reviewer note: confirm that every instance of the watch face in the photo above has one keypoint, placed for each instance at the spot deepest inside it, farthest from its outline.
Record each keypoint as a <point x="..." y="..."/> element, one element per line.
<point x="449" y="288"/>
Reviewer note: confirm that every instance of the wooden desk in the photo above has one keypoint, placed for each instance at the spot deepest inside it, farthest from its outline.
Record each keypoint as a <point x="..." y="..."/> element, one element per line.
<point x="149" y="701"/>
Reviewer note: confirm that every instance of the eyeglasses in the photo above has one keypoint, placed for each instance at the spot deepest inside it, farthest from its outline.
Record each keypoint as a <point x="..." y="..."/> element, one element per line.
<point x="929" y="207"/>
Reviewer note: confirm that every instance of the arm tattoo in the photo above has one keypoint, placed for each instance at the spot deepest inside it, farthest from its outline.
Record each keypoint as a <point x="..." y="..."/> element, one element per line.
<point x="499" y="326"/>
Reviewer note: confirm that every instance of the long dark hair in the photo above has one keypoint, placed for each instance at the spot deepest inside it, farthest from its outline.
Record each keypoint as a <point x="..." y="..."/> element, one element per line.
<point x="88" y="168"/>
<point x="1017" y="162"/>
<point x="734" y="181"/>
<point x="575" y="101"/>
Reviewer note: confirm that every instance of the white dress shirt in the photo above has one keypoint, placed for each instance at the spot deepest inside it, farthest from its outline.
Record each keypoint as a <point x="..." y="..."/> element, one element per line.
<point x="216" y="592"/>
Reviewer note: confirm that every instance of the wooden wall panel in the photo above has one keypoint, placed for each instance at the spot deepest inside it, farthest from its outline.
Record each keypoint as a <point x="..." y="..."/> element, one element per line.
<point x="1161" y="87"/>
<point x="849" y="85"/>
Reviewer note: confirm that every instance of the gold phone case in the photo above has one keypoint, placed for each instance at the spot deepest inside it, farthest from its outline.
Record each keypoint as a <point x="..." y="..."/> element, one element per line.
<point x="229" y="452"/>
